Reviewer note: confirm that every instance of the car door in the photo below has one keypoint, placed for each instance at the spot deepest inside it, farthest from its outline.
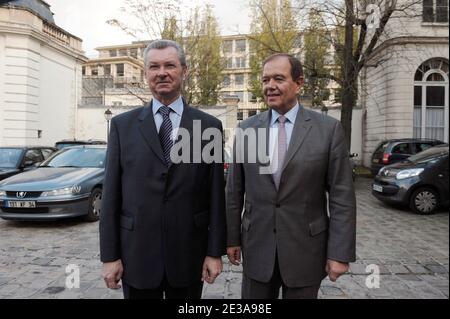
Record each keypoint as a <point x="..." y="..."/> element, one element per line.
<point x="443" y="179"/>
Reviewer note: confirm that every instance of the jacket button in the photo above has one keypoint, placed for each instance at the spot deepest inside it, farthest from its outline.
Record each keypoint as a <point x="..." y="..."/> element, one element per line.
<point x="274" y="230"/>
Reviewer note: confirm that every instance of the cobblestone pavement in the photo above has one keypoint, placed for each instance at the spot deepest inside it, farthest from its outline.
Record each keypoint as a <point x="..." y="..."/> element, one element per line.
<point x="411" y="252"/>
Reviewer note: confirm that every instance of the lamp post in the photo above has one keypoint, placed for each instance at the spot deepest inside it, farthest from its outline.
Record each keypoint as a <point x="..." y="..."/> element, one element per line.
<point x="108" y="115"/>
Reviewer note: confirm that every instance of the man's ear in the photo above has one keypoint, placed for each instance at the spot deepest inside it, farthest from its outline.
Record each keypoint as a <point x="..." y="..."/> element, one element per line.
<point x="185" y="73"/>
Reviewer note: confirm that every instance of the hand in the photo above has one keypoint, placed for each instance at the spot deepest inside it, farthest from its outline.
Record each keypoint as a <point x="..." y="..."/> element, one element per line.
<point x="112" y="273"/>
<point x="335" y="269"/>
<point x="212" y="267"/>
<point x="234" y="255"/>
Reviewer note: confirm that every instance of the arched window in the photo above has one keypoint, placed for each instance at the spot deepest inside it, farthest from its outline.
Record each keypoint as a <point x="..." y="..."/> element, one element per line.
<point x="431" y="100"/>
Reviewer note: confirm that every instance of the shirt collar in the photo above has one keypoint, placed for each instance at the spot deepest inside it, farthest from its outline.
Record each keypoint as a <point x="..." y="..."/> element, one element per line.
<point x="176" y="106"/>
<point x="291" y="115"/>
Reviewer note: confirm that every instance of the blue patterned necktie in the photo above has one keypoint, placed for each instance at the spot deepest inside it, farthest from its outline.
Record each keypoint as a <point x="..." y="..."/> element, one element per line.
<point x="165" y="133"/>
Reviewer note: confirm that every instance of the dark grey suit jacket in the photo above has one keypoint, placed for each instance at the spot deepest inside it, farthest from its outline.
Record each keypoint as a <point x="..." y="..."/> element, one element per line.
<point x="293" y="221"/>
<point x="158" y="219"/>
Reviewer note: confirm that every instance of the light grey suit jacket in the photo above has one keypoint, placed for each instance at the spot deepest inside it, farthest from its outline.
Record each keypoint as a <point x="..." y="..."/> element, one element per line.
<point x="293" y="221"/>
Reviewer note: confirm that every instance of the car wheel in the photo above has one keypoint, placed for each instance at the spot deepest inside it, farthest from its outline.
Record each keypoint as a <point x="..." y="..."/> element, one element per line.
<point x="95" y="203"/>
<point x="424" y="201"/>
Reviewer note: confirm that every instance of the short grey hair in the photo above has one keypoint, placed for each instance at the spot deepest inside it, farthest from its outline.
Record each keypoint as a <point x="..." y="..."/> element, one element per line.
<point x="162" y="44"/>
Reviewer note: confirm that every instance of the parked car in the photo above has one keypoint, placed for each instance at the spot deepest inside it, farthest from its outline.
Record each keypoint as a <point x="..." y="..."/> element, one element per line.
<point x="396" y="150"/>
<point x="68" y="143"/>
<point x="68" y="184"/>
<point x="420" y="181"/>
<point x="17" y="159"/>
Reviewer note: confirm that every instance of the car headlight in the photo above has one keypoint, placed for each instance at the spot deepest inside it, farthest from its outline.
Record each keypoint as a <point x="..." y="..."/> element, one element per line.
<point x="74" y="190"/>
<point x="407" y="173"/>
<point x="2" y="193"/>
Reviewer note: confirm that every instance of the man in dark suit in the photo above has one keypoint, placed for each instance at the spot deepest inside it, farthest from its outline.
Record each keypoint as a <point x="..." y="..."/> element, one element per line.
<point x="287" y="238"/>
<point x="162" y="226"/>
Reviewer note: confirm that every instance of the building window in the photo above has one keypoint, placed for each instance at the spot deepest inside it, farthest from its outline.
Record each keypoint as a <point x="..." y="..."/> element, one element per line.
<point x="226" y="81"/>
<point x="430" y="118"/>
<point x="123" y="52"/>
<point x="94" y="71"/>
<point x="83" y="70"/>
<point x="134" y="52"/>
<point x="117" y="103"/>
<point x="240" y="115"/>
<point x="240" y="95"/>
<point x="435" y="11"/>
<point x="241" y="45"/>
<point x="107" y="69"/>
<point x="112" y="53"/>
<point x="240" y="62"/>
<point x="251" y="113"/>
<point x="239" y="79"/>
<point x="228" y="63"/>
<point x="120" y="69"/>
<point x="227" y="46"/>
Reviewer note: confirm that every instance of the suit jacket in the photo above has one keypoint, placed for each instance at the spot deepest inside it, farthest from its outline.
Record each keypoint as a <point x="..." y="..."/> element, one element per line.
<point x="159" y="219"/>
<point x="293" y="221"/>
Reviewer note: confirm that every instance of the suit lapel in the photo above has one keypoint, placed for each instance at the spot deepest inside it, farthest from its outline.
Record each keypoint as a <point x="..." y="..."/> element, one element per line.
<point x="264" y="123"/>
<point x="148" y="131"/>
<point x="301" y="129"/>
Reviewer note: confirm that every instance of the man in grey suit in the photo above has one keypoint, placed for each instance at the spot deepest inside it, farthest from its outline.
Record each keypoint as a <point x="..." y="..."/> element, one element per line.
<point x="162" y="225"/>
<point x="287" y="237"/>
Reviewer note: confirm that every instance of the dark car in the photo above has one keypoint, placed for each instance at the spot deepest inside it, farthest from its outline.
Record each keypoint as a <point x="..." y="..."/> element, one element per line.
<point x="68" y="143"/>
<point x="17" y="159"/>
<point x="396" y="150"/>
<point x="420" y="181"/>
<point x="68" y="184"/>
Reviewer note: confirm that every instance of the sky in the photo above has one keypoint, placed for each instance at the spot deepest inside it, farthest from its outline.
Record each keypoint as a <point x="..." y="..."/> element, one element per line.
<point x="86" y="19"/>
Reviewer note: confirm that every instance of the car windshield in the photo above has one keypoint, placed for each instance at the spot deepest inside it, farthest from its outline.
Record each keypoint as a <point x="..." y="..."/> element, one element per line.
<point x="9" y="157"/>
<point x="429" y="154"/>
<point x="77" y="157"/>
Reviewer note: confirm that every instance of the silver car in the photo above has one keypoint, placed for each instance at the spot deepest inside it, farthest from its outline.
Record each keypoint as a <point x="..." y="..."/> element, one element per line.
<point x="68" y="184"/>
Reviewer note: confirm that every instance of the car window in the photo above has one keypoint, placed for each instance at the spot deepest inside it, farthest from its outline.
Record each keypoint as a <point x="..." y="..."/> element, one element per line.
<point x="429" y="154"/>
<point x="402" y="148"/>
<point x="9" y="157"/>
<point x="380" y="150"/>
<point x="78" y="157"/>
<point x="35" y="156"/>
<point x="46" y="152"/>
<point x="420" y="147"/>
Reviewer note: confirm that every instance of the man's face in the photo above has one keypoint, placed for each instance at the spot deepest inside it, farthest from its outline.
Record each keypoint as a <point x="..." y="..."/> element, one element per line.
<point x="280" y="90"/>
<point x="164" y="74"/>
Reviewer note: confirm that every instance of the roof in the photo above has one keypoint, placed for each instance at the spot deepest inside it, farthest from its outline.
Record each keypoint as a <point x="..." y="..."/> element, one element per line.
<point x="39" y="7"/>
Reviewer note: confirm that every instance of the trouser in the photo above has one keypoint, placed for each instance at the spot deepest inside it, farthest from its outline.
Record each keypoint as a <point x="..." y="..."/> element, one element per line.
<point x="164" y="291"/>
<point x="253" y="289"/>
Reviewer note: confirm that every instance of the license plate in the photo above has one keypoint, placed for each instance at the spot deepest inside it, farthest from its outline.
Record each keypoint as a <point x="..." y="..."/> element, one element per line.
<point x="377" y="188"/>
<point x="20" y="204"/>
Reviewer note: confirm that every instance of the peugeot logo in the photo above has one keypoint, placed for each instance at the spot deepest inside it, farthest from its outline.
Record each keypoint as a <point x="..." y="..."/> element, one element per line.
<point x="21" y="194"/>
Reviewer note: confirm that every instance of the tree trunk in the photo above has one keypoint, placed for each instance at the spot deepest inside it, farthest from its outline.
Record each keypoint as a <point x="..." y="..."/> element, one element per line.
<point x="349" y="74"/>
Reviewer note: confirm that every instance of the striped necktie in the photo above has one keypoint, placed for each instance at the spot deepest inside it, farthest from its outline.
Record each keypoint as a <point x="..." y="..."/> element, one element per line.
<point x="281" y="149"/>
<point x="165" y="133"/>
